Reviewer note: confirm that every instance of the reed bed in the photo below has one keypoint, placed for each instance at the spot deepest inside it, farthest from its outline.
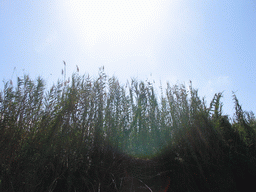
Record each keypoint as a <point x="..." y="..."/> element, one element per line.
<point x="88" y="134"/>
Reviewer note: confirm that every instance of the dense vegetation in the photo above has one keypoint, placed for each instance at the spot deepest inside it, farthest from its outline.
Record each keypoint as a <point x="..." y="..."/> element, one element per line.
<point x="90" y="134"/>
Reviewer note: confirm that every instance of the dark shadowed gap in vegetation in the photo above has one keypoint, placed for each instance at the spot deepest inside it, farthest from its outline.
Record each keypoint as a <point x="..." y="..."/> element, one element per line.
<point x="89" y="134"/>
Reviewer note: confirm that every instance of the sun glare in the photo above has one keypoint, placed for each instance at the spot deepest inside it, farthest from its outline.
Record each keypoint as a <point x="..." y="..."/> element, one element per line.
<point x="117" y="25"/>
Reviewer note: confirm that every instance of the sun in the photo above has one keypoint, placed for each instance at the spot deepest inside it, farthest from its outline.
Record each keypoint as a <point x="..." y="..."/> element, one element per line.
<point x="117" y="25"/>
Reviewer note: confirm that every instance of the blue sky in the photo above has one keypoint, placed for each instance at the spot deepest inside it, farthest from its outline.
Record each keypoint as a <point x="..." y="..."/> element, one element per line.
<point x="211" y="43"/>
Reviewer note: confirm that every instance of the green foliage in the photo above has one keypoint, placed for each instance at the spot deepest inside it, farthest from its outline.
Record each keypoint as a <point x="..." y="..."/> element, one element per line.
<point x="84" y="134"/>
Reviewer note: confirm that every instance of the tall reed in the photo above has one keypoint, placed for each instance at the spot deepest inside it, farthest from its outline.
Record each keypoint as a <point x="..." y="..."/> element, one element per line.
<point x="85" y="134"/>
